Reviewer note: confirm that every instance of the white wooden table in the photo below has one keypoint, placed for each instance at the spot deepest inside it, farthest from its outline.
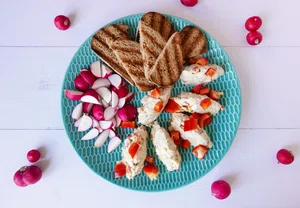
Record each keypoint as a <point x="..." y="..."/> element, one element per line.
<point x="34" y="56"/>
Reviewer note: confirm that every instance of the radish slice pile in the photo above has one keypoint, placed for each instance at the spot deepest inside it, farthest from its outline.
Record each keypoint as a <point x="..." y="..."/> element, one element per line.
<point x="101" y="96"/>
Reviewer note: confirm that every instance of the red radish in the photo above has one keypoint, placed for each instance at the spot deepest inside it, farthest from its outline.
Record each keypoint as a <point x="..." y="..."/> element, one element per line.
<point x="106" y="71"/>
<point x="80" y="83"/>
<point x="97" y="112"/>
<point x="114" y="99"/>
<point x="105" y="104"/>
<point x="115" y="80"/>
<point x="109" y="113"/>
<point x="27" y="175"/>
<point x="85" y="124"/>
<point x="88" y="76"/>
<point x="87" y="107"/>
<point x="62" y="22"/>
<point x="112" y="133"/>
<point x="122" y="102"/>
<point x="285" y="157"/>
<point x="253" y="23"/>
<point x="127" y="113"/>
<point x="113" y="120"/>
<point x="101" y="138"/>
<point x="118" y="121"/>
<point x="189" y="3"/>
<point x="220" y="189"/>
<point x="254" y="38"/>
<point x="104" y="93"/>
<point x="91" y="96"/>
<point x="91" y="134"/>
<point x="130" y="96"/>
<point x="77" y="123"/>
<point x="77" y="111"/>
<point x="73" y="95"/>
<point x="113" y="144"/>
<point x="96" y="69"/>
<point x="33" y="155"/>
<point x="101" y="82"/>
<point x="105" y="124"/>
<point x="123" y="91"/>
<point x="95" y="122"/>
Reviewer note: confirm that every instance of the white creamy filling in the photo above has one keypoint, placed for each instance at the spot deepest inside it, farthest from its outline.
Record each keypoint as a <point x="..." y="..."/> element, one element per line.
<point x="135" y="165"/>
<point x="190" y="102"/>
<point x="195" y="74"/>
<point x="165" y="147"/>
<point x="195" y="137"/>
<point x="146" y="114"/>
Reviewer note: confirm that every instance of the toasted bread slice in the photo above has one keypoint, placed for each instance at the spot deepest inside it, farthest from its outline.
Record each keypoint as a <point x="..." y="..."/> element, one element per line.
<point x="129" y="54"/>
<point x="193" y="42"/>
<point x="101" y="43"/>
<point x="168" y="66"/>
<point x="159" y="23"/>
<point x="152" y="43"/>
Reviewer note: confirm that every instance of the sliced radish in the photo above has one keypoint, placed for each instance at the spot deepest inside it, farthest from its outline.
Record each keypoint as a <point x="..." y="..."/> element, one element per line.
<point x="113" y="144"/>
<point x="95" y="122"/>
<point x="113" y="120"/>
<point x="118" y="121"/>
<point x="97" y="112"/>
<point x="105" y="104"/>
<point x="96" y="69"/>
<point x="91" y="134"/>
<point x="90" y="99"/>
<point x="122" y="102"/>
<point x="115" y="80"/>
<point x="77" y="111"/>
<point x="77" y="123"/>
<point x="85" y="124"/>
<point x="105" y="124"/>
<point x="123" y="91"/>
<point x="109" y="113"/>
<point x="112" y="133"/>
<point x="106" y="71"/>
<point x="87" y="107"/>
<point x="80" y="83"/>
<point x="114" y="99"/>
<point x="91" y="96"/>
<point x="104" y="93"/>
<point x="101" y="82"/>
<point x="88" y="76"/>
<point x="101" y="139"/>
<point x="99" y="128"/>
<point x="73" y="95"/>
<point x="129" y="96"/>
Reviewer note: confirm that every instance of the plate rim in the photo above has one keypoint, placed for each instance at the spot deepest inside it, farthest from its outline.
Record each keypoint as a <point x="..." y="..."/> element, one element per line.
<point x="160" y="190"/>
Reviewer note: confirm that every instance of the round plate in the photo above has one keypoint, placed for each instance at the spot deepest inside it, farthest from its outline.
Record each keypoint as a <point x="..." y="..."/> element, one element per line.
<point x="222" y="130"/>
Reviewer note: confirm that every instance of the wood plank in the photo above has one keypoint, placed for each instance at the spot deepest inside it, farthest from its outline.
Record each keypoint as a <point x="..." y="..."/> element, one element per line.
<point x="250" y="166"/>
<point x="33" y="77"/>
<point x="223" y="19"/>
<point x="31" y="86"/>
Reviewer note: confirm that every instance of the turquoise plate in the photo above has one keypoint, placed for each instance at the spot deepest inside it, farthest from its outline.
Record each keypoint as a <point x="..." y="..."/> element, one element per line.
<point x="222" y="130"/>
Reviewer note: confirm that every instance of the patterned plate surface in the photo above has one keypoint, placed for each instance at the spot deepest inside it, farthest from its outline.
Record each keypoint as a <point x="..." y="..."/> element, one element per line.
<point x="222" y="130"/>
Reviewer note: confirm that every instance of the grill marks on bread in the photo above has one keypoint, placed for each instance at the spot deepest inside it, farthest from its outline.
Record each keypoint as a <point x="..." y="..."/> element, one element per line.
<point x="128" y="52"/>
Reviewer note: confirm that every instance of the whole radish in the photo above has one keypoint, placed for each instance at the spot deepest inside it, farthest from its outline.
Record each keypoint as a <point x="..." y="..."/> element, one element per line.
<point x="62" y="22"/>
<point x="254" y="38"/>
<point x="285" y="157"/>
<point x="220" y="189"/>
<point x="189" y="3"/>
<point x="253" y="23"/>
<point x="27" y="175"/>
<point x="33" y="155"/>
